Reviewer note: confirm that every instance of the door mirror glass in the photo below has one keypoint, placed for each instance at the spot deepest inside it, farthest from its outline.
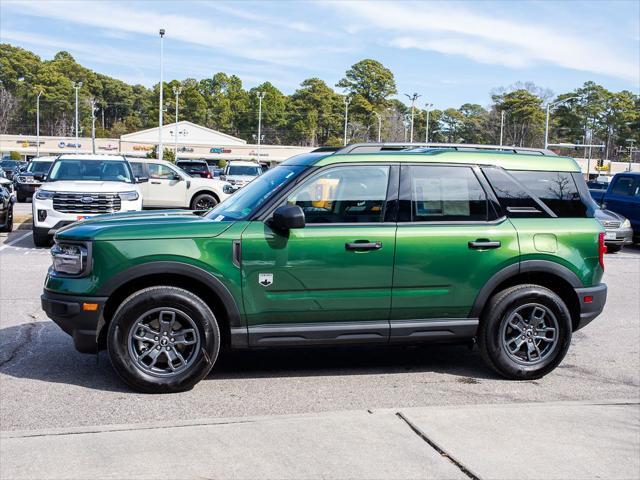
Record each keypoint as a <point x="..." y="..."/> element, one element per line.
<point x="287" y="217"/>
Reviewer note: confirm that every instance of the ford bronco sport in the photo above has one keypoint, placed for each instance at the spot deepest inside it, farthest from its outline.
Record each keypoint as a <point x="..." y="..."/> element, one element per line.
<point x="433" y="245"/>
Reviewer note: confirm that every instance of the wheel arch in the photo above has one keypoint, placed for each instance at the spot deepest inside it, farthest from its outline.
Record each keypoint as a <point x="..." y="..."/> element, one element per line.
<point x="196" y="280"/>
<point x="557" y="278"/>
<point x="206" y="190"/>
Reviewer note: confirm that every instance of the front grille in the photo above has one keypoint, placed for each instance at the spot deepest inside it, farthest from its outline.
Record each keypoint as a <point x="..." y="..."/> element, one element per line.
<point x="86" y="202"/>
<point x="610" y="224"/>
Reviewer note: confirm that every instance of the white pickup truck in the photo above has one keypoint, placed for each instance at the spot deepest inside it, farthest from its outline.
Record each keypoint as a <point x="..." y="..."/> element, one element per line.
<point x="80" y="186"/>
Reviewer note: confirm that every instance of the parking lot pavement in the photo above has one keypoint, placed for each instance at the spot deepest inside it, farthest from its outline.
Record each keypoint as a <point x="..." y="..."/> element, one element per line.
<point x="522" y="440"/>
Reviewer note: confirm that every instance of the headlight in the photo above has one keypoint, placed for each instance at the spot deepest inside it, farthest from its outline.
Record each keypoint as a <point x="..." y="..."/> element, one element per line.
<point x="228" y="189"/>
<point x="22" y="179"/>
<point x="626" y="224"/>
<point x="69" y="258"/>
<point x="44" y="194"/>
<point x="232" y="182"/>
<point x="129" y="196"/>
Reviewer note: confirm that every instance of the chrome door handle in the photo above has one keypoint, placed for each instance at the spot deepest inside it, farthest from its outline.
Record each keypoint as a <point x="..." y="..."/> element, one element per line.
<point x="485" y="243"/>
<point x="155" y="183"/>
<point x="363" y="245"/>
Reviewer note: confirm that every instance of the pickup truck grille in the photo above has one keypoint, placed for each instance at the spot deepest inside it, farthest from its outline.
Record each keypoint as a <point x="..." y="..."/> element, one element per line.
<point x="610" y="224"/>
<point x="86" y="202"/>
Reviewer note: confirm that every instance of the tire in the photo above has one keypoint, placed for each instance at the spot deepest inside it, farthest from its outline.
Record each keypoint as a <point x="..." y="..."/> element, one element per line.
<point x="21" y="198"/>
<point x="8" y="226"/>
<point x="41" y="239"/>
<point x="134" y="360"/>
<point x="614" y="248"/>
<point x="495" y="332"/>
<point x="206" y="201"/>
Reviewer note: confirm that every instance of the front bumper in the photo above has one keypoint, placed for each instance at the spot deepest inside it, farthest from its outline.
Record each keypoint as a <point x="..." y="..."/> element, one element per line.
<point x="623" y="236"/>
<point x="67" y="312"/>
<point x="592" y="300"/>
<point x="26" y="188"/>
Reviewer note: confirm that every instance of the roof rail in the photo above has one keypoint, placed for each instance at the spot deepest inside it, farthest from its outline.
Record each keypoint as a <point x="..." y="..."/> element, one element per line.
<point x="464" y="147"/>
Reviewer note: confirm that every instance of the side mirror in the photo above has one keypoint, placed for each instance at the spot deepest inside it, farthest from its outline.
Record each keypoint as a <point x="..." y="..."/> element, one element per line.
<point x="39" y="177"/>
<point x="287" y="217"/>
<point x="223" y="177"/>
<point x="142" y="179"/>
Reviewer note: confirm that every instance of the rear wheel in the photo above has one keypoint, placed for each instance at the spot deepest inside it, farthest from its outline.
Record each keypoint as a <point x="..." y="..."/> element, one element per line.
<point x="204" y="201"/>
<point x="525" y="332"/>
<point x="163" y="340"/>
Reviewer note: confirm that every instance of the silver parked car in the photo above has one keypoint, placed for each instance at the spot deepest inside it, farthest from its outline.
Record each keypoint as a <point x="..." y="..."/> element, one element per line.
<point x="618" y="231"/>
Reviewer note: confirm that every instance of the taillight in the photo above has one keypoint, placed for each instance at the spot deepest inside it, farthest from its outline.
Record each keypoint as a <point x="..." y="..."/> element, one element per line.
<point x="602" y="249"/>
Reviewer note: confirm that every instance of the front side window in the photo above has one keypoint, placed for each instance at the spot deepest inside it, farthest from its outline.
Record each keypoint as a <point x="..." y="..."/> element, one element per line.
<point x="625" y="186"/>
<point x="443" y="194"/>
<point x="160" y="171"/>
<point x="90" y="170"/>
<point x="345" y="194"/>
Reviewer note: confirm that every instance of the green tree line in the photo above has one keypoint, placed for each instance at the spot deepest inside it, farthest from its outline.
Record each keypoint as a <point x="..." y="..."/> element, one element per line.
<point x="313" y="115"/>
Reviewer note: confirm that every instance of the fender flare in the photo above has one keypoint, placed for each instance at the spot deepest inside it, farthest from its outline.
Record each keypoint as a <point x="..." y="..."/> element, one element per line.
<point x="526" y="266"/>
<point x="185" y="270"/>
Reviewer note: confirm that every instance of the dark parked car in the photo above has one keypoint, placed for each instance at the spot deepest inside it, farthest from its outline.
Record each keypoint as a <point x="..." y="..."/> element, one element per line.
<point x="196" y="168"/>
<point x="28" y="181"/>
<point x="11" y="167"/>
<point x="6" y="210"/>
<point x="623" y="197"/>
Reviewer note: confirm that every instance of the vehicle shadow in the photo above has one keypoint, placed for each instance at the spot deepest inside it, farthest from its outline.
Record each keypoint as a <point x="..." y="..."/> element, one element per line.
<point x="40" y="351"/>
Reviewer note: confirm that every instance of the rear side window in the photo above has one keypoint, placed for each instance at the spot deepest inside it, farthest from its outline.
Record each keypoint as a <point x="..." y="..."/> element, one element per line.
<point x="513" y="196"/>
<point x="558" y="191"/>
<point x="625" y="186"/>
<point x="442" y="194"/>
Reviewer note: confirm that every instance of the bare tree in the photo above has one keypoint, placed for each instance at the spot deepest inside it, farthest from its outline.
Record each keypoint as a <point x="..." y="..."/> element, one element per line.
<point x="8" y="108"/>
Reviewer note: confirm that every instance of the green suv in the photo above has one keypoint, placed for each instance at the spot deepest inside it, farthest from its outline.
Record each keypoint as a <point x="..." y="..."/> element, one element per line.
<point x="430" y="245"/>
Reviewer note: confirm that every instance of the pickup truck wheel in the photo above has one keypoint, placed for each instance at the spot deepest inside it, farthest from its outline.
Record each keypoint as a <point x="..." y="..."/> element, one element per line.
<point x="525" y="332"/>
<point x="204" y="201"/>
<point x="163" y="340"/>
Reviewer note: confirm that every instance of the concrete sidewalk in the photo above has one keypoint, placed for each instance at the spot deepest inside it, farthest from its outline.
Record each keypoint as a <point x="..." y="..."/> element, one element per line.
<point x="553" y="440"/>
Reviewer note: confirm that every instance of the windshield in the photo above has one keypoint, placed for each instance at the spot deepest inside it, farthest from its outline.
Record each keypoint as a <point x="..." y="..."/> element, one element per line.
<point x="39" y="167"/>
<point x="10" y="164"/>
<point x="247" y="200"/>
<point x="249" y="170"/>
<point x="90" y="170"/>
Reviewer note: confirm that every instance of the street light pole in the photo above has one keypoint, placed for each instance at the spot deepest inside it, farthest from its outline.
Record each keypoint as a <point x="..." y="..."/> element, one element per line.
<point x="77" y="86"/>
<point x="413" y="99"/>
<point x="260" y="97"/>
<point x="501" y="125"/>
<point x="546" y="123"/>
<point x="176" y="91"/>
<point x="160" y="110"/>
<point x="93" y="125"/>
<point x="379" y="124"/>
<point x="38" y="124"/>
<point x="347" y="101"/>
<point x="426" y="132"/>
<point x="631" y="141"/>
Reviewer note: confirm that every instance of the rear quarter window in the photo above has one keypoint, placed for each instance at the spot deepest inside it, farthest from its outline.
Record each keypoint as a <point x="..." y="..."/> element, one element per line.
<point x="557" y="190"/>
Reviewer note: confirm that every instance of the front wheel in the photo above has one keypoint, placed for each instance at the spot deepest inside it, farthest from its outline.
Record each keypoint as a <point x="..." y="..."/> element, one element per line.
<point x="525" y="332"/>
<point x="204" y="201"/>
<point x="163" y="340"/>
<point x="41" y="238"/>
<point x="8" y="226"/>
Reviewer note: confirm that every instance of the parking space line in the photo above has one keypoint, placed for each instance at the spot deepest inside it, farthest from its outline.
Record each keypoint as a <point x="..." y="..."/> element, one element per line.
<point x="14" y="241"/>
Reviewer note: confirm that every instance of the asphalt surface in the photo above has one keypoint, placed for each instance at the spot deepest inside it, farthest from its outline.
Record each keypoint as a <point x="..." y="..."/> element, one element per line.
<point x="45" y="383"/>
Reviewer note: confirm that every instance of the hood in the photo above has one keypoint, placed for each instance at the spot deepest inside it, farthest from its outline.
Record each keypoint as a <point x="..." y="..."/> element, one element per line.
<point x="208" y="182"/>
<point x="5" y="181"/>
<point x="145" y="225"/>
<point x="246" y="178"/>
<point x="607" y="215"/>
<point x="89" y="186"/>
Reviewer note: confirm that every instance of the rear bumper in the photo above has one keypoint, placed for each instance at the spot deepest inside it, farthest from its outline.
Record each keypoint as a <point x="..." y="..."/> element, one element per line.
<point x="67" y="312"/>
<point x="591" y="309"/>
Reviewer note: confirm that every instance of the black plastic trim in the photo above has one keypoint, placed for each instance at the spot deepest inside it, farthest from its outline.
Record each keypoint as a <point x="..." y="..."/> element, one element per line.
<point x="433" y="329"/>
<point x="589" y="311"/>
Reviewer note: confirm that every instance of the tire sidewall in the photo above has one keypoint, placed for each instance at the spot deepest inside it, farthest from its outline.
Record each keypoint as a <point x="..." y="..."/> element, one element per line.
<point x="499" y="315"/>
<point x="201" y="195"/>
<point x="135" y="306"/>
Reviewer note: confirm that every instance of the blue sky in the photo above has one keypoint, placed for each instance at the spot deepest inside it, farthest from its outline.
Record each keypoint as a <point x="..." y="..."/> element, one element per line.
<point x="449" y="52"/>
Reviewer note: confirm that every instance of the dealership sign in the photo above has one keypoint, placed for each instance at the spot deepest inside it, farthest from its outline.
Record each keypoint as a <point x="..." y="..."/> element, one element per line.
<point x="63" y="144"/>
<point x="220" y="150"/>
<point x="146" y="148"/>
<point x="185" y="149"/>
<point x="108" y="146"/>
<point x="28" y="143"/>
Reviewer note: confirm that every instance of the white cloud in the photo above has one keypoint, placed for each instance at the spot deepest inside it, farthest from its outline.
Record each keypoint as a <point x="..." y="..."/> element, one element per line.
<point x="485" y="39"/>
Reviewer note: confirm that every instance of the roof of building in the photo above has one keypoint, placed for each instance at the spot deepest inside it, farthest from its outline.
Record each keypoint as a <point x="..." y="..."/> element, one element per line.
<point x="188" y="133"/>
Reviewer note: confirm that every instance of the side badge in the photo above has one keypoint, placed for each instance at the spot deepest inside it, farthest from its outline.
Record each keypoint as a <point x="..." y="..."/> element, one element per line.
<point x="265" y="279"/>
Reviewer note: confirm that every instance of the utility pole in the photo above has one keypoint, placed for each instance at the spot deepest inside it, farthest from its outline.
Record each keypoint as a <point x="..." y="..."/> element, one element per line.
<point x="93" y="125"/>
<point x="38" y="124"/>
<point x="260" y="97"/>
<point x="176" y="92"/>
<point x="413" y="99"/>
<point x="379" y="124"/>
<point x="347" y="101"/>
<point x="161" y="109"/>
<point x="77" y="87"/>
<point x="501" y="125"/>
<point x="426" y="132"/>
<point x="631" y="141"/>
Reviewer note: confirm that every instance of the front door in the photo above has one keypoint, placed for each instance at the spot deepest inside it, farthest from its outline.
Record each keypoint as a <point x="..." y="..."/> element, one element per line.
<point x="331" y="280"/>
<point x="448" y="245"/>
<point x="623" y="197"/>
<point x="167" y="188"/>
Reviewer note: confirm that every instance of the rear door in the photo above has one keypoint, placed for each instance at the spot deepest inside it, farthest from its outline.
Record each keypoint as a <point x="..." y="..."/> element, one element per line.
<point x="449" y="243"/>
